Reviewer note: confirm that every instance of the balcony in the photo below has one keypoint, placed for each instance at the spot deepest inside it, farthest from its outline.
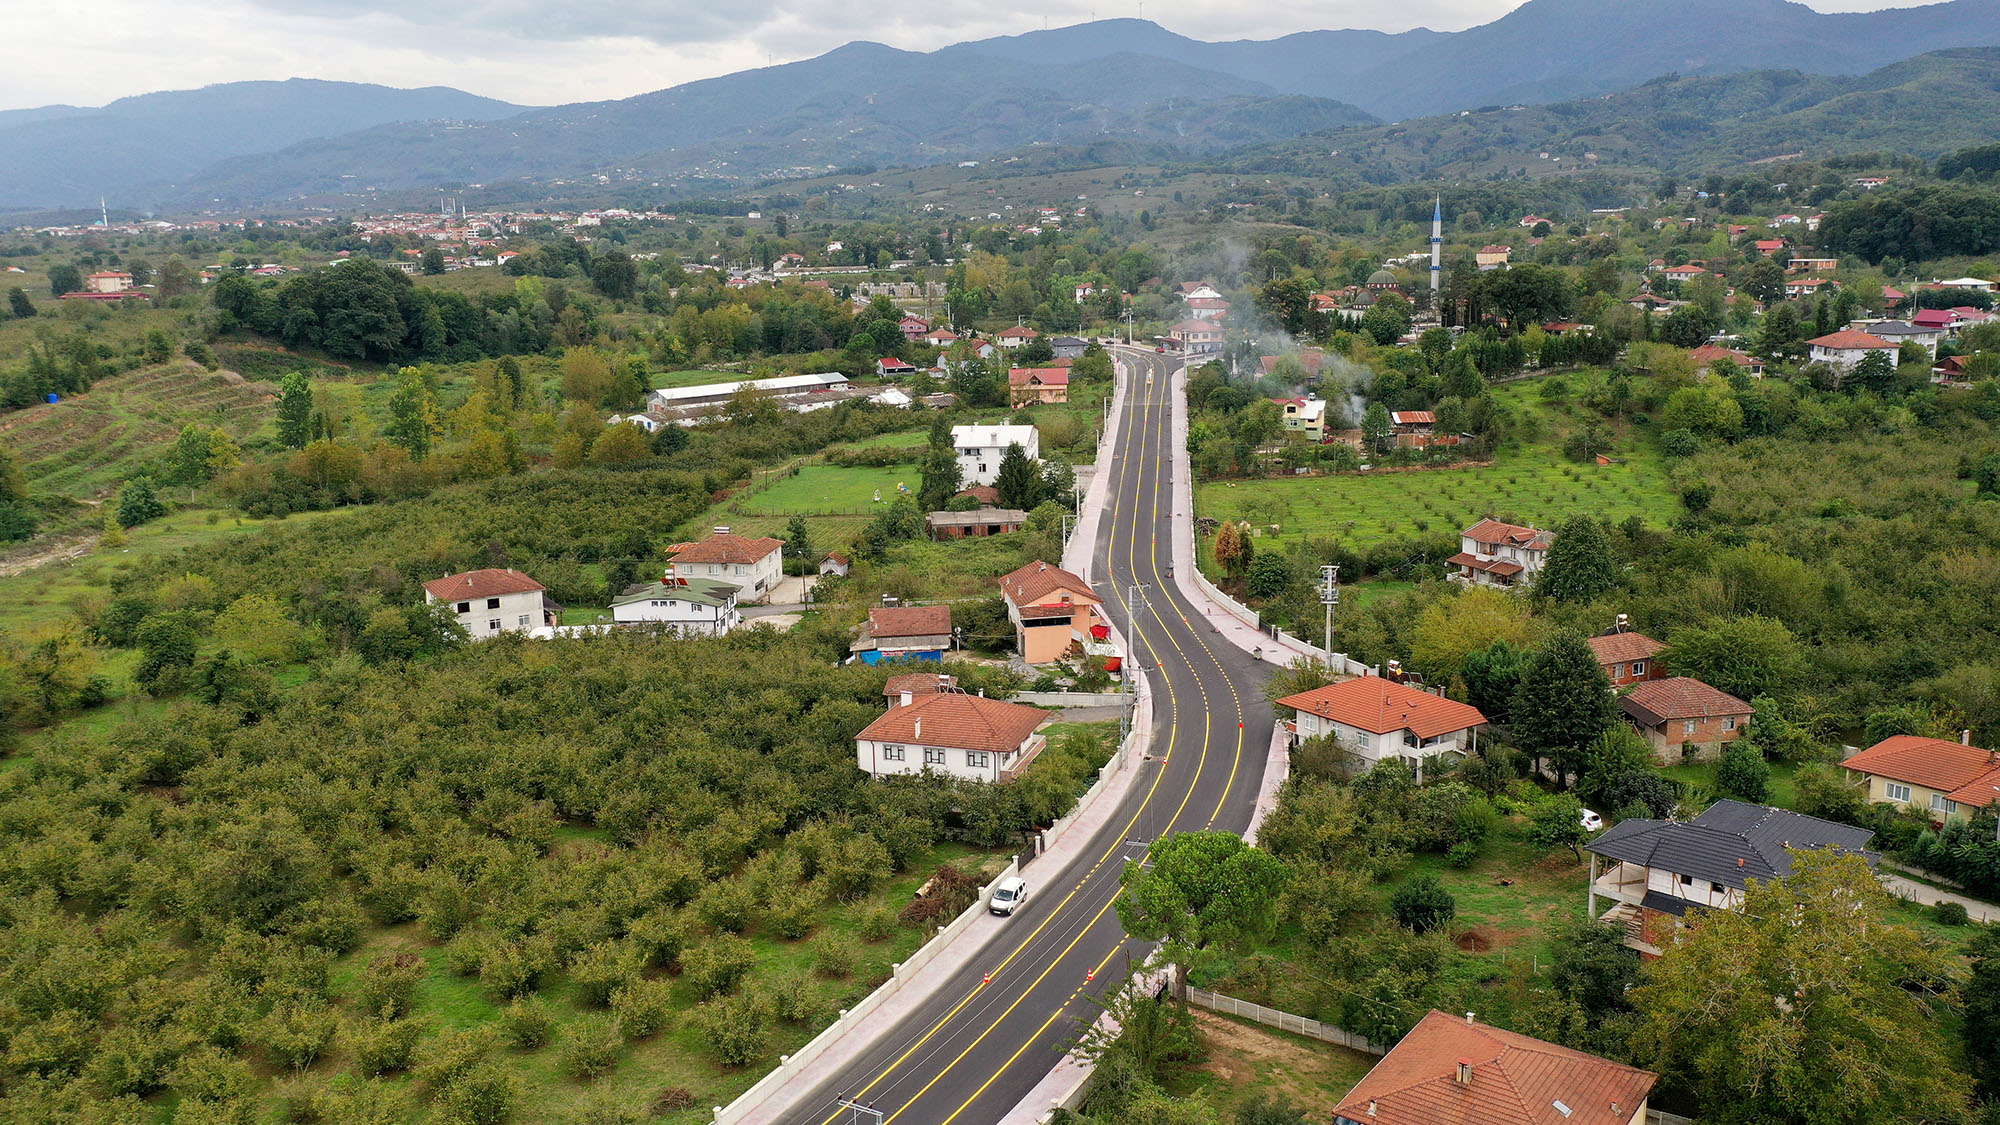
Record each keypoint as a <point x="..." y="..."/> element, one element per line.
<point x="1623" y="882"/>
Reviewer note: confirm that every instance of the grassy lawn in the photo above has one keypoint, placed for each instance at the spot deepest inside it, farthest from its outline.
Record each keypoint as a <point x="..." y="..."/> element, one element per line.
<point x="1784" y="790"/>
<point x="1247" y="1061"/>
<point x="830" y="490"/>
<point x="1364" y="593"/>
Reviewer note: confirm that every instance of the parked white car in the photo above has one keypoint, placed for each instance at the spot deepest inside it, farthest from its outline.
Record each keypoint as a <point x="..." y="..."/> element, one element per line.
<point x="1591" y="821"/>
<point x="1009" y="895"/>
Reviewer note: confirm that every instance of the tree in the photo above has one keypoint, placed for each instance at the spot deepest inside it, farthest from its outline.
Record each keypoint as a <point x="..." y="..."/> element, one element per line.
<point x="616" y="276"/>
<point x="190" y="460"/>
<point x="1580" y="566"/>
<point x="1269" y="575"/>
<point x="138" y="503"/>
<point x="1204" y="890"/>
<point x="1743" y="773"/>
<point x="1744" y="656"/>
<point x="295" y="409"/>
<point x="1449" y="630"/>
<point x="1529" y="294"/>
<point x="942" y="475"/>
<point x="411" y="415"/>
<point x="1805" y="1005"/>
<point x="1228" y="547"/>
<point x="65" y="279"/>
<point x="1377" y="431"/>
<point x="1557" y="822"/>
<point x="1689" y="326"/>
<point x="1387" y="320"/>
<point x="19" y="304"/>
<point x="623" y="444"/>
<point x="1876" y="372"/>
<point x="1422" y="904"/>
<point x="431" y="261"/>
<point x="1563" y="703"/>
<point x="798" y="540"/>
<point x="1980" y="1030"/>
<point x="1018" y="482"/>
<point x="1492" y="676"/>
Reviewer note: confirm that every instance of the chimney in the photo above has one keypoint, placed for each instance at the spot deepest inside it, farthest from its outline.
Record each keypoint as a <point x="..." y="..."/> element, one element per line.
<point x="722" y="529"/>
<point x="909" y="697"/>
<point x="1624" y="622"/>
<point x="1468" y="1019"/>
<point x="918" y="733"/>
<point x="1614" y="1109"/>
<point x="1965" y="737"/>
<point x="1739" y="862"/>
<point x="1371" y="1107"/>
<point x="1465" y="1072"/>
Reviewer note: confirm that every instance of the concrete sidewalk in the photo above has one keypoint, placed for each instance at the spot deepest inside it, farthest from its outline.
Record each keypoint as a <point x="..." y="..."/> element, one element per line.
<point x="1928" y="895"/>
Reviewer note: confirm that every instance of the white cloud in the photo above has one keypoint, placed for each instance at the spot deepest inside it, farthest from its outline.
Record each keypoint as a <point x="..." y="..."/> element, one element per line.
<point x="535" y="52"/>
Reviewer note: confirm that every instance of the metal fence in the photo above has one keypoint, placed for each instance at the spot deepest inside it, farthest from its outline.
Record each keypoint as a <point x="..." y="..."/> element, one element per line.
<point x="1283" y="1021"/>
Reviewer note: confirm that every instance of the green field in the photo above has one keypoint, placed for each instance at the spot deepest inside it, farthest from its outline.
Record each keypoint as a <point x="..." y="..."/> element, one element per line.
<point x="831" y="490"/>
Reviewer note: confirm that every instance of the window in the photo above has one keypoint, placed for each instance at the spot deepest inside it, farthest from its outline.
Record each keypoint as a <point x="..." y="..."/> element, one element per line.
<point x="982" y="466"/>
<point x="492" y="603"/>
<point x="1687" y="880"/>
<point x="892" y="753"/>
<point x="1940" y="804"/>
<point x="493" y="625"/>
<point x="1896" y="792"/>
<point x="465" y="607"/>
<point x="933" y="757"/>
<point x="1729" y="722"/>
<point x="524" y="621"/>
<point x="975" y="758"/>
<point x="1638" y="667"/>
<point x="1687" y="726"/>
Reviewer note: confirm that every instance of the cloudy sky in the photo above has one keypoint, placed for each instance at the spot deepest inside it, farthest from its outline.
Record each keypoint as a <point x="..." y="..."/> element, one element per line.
<point x="542" y="53"/>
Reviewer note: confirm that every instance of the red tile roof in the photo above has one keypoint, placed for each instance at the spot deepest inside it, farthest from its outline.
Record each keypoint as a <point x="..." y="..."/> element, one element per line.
<point x="1019" y="334"/>
<point x="1381" y="706"/>
<point x="958" y="722"/>
<point x="1038" y="580"/>
<point x="909" y="621"/>
<point x="1710" y="353"/>
<point x="1933" y="763"/>
<point x="1506" y="534"/>
<point x="1850" y="340"/>
<point x="1046" y="376"/>
<point x="1514" y="1080"/>
<point x="727" y="547"/>
<point x="482" y="584"/>
<point x="1682" y="697"/>
<point x="1617" y="648"/>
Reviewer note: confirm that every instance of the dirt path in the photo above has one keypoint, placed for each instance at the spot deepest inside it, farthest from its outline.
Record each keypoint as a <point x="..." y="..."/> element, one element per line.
<point x="69" y="548"/>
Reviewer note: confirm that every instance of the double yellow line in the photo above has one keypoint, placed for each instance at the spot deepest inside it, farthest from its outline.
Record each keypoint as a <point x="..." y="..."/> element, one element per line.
<point x="1135" y="431"/>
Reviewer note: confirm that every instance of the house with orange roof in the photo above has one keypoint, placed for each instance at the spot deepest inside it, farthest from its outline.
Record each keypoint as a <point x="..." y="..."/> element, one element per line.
<point x="1456" y="1071"/>
<point x="904" y="632"/>
<point x="947" y="731"/>
<point x="1377" y="719"/>
<point x="753" y="565"/>
<point x="1943" y="779"/>
<point x="1846" y="348"/>
<point x="1492" y="553"/>
<point x="1028" y="386"/>
<point x="1051" y="609"/>
<point x="1683" y="718"/>
<point x="1628" y="657"/>
<point x="491" y="602"/>
<point x="1708" y="355"/>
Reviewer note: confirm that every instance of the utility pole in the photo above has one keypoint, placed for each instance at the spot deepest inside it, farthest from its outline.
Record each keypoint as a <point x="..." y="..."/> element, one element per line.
<point x="857" y="1109"/>
<point x="1329" y="596"/>
<point x="1132" y="664"/>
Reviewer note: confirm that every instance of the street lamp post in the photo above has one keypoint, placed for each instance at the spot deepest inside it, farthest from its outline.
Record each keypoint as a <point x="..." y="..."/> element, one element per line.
<point x="1329" y="596"/>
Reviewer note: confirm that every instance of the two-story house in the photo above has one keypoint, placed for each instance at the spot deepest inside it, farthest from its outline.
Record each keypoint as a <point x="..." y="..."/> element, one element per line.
<point x="1195" y="337"/>
<point x="1681" y="717"/>
<point x="1452" y="1070"/>
<point x="691" y="607"/>
<point x="950" y="732"/>
<point x="1027" y="386"/>
<point x="1303" y="416"/>
<point x="905" y="632"/>
<point x="1051" y="609"/>
<point x="1492" y="553"/>
<point x="1945" y="780"/>
<point x="980" y="449"/>
<point x="1375" y="718"/>
<point x="1655" y="871"/>
<point x="1627" y="657"/>
<point x="754" y="566"/>
<point x="1846" y="348"/>
<point x="491" y="602"/>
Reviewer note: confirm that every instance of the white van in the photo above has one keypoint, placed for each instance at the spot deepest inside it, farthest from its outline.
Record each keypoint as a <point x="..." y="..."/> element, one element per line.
<point x="1008" y="895"/>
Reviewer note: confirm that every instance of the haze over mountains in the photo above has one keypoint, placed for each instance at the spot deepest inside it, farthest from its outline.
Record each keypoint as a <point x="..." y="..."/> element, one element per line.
<point x="1126" y="80"/>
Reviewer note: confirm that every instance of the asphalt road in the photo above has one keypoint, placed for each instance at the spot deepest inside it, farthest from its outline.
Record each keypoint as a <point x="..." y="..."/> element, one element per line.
<point x="979" y="1045"/>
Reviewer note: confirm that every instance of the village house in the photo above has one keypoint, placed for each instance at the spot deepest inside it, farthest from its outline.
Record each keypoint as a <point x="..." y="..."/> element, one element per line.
<point x="1312" y="359"/>
<point x="1492" y="257"/>
<point x="889" y="367"/>
<point x="1684" y="719"/>
<point x="690" y="607"/>
<point x="1812" y="265"/>
<point x="491" y="602"/>
<point x="1945" y="780"/>
<point x="950" y="732"/>
<point x="1195" y="337"/>
<point x="941" y="337"/>
<point x="1417" y="429"/>
<point x="1029" y="386"/>
<point x="1655" y="871"/>
<point x="1051" y="609"/>
<point x="1454" y="1071"/>
<point x="1846" y="348"/>
<point x="909" y="632"/>
<point x="1901" y="332"/>
<point x="980" y="449"/>
<point x="1628" y="657"/>
<point x="1708" y="355"/>
<point x="1304" y="416"/>
<point x="914" y="327"/>
<point x="1492" y="553"/>
<point x="107" y="281"/>
<point x="918" y="684"/>
<point x="987" y="495"/>
<point x="975" y="525"/>
<point x="835" y="564"/>
<point x="1803" y="287"/>
<point x="1015" y="337"/>
<point x="1069" y="347"/>
<point x="1211" y="309"/>
<point x="1377" y="719"/>
<point x="753" y="565"/>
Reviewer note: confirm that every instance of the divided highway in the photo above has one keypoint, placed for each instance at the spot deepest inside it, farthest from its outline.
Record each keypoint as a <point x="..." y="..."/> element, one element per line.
<point x="979" y="1045"/>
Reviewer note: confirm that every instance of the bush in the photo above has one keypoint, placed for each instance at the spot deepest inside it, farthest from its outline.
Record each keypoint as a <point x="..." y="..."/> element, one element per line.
<point x="878" y="924"/>
<point x="590" y="1046"/>
<point x="1948" y="913"/>
<point x="388" y="985"/>
<point x="381" y="1046"/>
<point x="718" y="965"/>
<point x="795" y="917"/>
<point x="658" y="937"/>
<point x="792" y="998"/>
<point x="1463" y="855"/>
<point x="734" y="1028"/>
<point x="644" y="1007"/>
<point x="1743" y="773"/>
<point x="515" y="967"/>
<point x="1422" y="904"/>
<point x="947" y="893"/>
<point x="833" y="956"/>
<point x="528" y="1022"/>
<point x="483" y="1095"/>
<point x="724" y="906"/>
<point x="601" y="970"/>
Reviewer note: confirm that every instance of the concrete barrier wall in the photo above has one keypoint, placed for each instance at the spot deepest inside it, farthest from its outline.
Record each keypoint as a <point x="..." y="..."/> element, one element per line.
<point x="1073" y="698"/>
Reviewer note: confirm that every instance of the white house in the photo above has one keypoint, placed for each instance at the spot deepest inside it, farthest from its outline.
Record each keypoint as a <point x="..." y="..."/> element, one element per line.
<point x="753" y="566"/>
<point x="692" y="607"/>
<point x="491" y="602"/>
<point x="1375" y="719"/>
<point x="949" y="732"/>
<point x="716" y="394"/>
<point x="1492" y="553"/>
<point x="1846" y="348"/>
<point x="1902" y="332"/>
<point x="645" y="422"/>
<point x="980" y="449"/>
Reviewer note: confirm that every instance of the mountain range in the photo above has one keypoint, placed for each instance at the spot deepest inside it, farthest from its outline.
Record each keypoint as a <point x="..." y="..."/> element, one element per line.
<point x="1127" y="81"/>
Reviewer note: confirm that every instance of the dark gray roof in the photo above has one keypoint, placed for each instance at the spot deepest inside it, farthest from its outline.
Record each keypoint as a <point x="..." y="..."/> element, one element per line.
<point x="1728" y="844"/>
<point x="1665" y="903"/>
